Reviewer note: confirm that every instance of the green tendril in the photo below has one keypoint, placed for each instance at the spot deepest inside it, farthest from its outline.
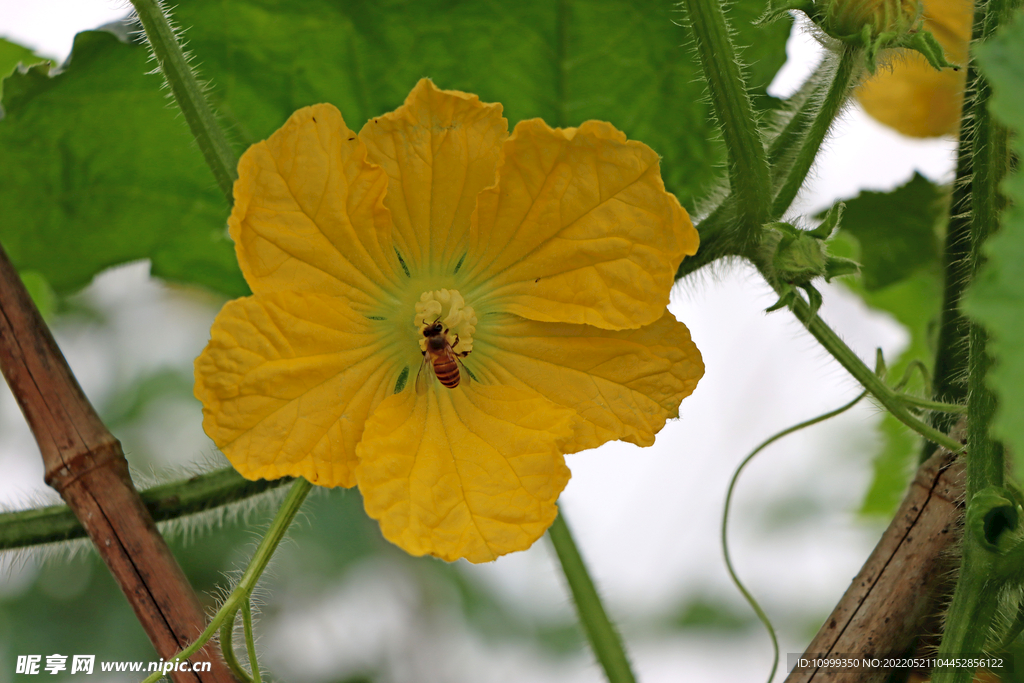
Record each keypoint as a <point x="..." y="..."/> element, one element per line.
<point x="725" y="522"/>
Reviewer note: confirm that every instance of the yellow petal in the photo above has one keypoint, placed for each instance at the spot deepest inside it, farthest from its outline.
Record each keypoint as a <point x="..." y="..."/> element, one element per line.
<point x="439" y="150"/>
<point x="579" y="229"/>
<point x="470" y="472"/>
<point x="623" y="384"/>
<point x="309" y="212"/>
<point x="287" y="382"/>
<point x="913" y="97"/>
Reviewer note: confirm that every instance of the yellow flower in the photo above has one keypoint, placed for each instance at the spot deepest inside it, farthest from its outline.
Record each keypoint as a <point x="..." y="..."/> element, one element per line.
<point x="538" y="264"/>
<point x="915" y="98"/>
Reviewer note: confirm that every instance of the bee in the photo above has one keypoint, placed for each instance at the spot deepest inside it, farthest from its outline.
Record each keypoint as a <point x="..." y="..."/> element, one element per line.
<point x="441" y="355"/>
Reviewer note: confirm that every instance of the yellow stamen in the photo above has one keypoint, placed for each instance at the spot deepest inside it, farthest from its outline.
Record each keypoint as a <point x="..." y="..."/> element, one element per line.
<point x="449" y="308"/>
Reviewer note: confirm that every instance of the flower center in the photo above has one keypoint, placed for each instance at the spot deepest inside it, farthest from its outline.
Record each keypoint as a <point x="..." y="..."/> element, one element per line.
<point x="447" y="308"/>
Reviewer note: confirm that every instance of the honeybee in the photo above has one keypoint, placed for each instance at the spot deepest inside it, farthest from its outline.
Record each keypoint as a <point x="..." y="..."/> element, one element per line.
<point x="442" y="357"/>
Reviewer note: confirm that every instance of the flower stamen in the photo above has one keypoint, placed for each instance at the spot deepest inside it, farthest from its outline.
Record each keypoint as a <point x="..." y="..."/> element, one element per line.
<point x="446" y="306"/>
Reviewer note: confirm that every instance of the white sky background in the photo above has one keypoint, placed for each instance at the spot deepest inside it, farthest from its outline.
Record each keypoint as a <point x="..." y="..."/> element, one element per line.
<point x="646" y="519"/>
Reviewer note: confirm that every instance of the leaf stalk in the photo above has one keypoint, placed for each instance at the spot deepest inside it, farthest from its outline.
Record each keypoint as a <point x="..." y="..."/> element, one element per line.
<point x="189" y="94"/>
<point x="604" y="639"/>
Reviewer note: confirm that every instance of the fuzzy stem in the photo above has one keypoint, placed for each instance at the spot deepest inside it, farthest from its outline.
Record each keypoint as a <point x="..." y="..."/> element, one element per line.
<point x="937" y="406"/>
<point x="718" y="227"/>
<point x="976" y="598"/>
<point x="951" y="347"/>
<point x="846" y="72"/>
<point x="603" y="637"/>
<point x="285" y="514"/>
<point x="188" y="94"/>
<point x="25" y="528"/>
<point x="869" y="380"/>
<point x="227" y="636"/>
<point x="749" y="178"/>
<point x="250" y="643"/>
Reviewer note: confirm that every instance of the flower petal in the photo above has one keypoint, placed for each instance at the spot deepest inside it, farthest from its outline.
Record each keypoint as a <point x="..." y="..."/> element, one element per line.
<point x="309" y="211"/>
<point x="287" y="382"/>
<point x="578" y="229"/>
<point x="623" y="384"/>
<point x="439" y="150"/>
<point x="913" y="97"/>
<point x="470" y="472"/>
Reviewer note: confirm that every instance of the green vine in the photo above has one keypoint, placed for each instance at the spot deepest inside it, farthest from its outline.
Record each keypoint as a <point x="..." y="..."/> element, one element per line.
<point x="200" y="493"/>
<point x="749" y="177"/>
<point x="604" y="639"/>
<point x="189" y="94"/>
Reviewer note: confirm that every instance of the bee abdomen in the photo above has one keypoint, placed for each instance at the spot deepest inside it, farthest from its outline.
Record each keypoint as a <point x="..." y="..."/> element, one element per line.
<point x="448" y="373"/>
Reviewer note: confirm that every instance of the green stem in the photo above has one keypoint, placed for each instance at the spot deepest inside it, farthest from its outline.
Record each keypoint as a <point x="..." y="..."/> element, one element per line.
<point x="188" y="94"/>
<point x="250" y="642"/>
<point x="718" y="228"/>
<point x="793" y="121"/>
<point x="951" y="346"/>
<point x="715" y="238"/>
<point x="845" y="73"/>
<point x="227" y="647"/>
<point x="976" y="597"/>
<point x="168" y="501"/>
<point x="285" y="514"/>
<point x="603" y="637"/>
<point x="869" y="380"/>
<point x="937" y="406"/>
<point x="974" y="606"/>
<point x="749" y="178"/>
<point x="725" y="521"/>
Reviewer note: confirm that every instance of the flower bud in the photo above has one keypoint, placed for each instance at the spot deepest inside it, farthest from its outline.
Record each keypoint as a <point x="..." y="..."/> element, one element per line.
<point x="848" y="18"/>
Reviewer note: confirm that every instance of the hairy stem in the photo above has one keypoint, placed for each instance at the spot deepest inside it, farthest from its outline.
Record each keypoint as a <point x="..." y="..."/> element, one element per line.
<point x="260" y="559"/>
<point x="975" y="600"/>
<point x="189" y="95"/>
<point x="951" y="348"/>
<point x="846" y="72"/>
<point x="603" y="637"/>
<point x="25" y="528"/>
<point x="889" y="399"/>
<point x="749" y="178"/>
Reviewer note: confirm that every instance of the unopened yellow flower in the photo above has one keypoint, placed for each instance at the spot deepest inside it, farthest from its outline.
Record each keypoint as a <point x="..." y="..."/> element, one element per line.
<point x="534" y="267"/>
<point x="915" y="98"/>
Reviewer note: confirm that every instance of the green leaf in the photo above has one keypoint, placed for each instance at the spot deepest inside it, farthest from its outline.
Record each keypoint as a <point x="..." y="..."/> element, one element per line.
<point x="996" y="297"/>
<point x="12" y="54"/>
<point x="890" y="466"/>
<point x="105" y="170"/>
<point x="896" y="230"/>
<point x="99" y="170"/>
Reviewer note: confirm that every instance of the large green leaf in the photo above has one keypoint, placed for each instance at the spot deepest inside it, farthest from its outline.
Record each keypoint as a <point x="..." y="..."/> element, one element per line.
<point x="98" y="170"/>
<point x="996" y="297"/>
<point x="104" y="170"/>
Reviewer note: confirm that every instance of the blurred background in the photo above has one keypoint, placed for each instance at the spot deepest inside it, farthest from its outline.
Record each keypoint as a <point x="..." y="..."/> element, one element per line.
<point x="340" y="604"/>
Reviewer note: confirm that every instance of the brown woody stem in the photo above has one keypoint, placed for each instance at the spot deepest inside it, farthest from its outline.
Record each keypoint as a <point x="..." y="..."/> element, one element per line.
<point x="882" y="611"/>
<point x="85" y="464"/>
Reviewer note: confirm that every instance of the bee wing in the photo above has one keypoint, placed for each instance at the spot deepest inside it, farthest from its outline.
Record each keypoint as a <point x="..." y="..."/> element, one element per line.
<point x="421" y="377"/>
<point x="465" y="373"/>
